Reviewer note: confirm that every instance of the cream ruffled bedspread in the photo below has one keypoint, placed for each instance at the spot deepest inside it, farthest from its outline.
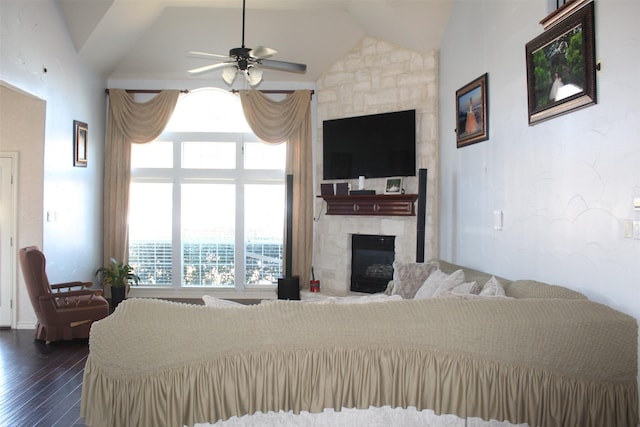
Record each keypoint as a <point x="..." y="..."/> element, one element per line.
<point x="546" y="362"/>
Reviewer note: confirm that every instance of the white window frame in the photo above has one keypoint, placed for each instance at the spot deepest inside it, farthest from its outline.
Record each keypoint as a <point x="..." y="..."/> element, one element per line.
<point x="178" y="176"/>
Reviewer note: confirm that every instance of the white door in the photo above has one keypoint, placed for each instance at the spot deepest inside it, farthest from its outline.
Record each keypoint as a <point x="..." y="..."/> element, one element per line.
<point x="7" y="236"/>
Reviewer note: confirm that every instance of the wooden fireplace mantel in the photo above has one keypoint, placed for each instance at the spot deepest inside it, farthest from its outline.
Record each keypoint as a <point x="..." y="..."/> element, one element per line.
<point x="375" y="204"/>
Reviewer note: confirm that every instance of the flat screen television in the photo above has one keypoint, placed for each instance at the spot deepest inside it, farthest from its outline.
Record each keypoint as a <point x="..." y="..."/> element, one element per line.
<point x="374" y="146"/>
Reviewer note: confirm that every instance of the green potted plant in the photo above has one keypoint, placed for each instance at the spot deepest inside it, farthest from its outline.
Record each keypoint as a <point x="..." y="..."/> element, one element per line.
<point x="119" y="276"/>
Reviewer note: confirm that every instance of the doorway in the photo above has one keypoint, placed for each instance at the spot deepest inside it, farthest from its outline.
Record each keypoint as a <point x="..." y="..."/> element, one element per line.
<point x="8" y="185"/>
<point x="22" y="131"/>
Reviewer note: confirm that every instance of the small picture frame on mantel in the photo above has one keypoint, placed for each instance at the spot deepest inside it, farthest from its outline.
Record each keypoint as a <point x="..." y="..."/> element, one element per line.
<point x="393" y="186"/>
<point x="80" y="143"/>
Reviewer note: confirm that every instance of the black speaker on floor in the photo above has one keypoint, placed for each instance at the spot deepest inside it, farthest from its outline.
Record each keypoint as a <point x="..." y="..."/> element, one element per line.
<point x="422" y="214"/>
<point x="288" y="286"/>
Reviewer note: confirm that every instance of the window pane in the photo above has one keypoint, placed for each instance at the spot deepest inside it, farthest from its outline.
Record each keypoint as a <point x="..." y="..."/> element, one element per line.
<point x="208" y="234"/>
<point x="156" y="154"/>
<point x="264" y="227"/>
<point x="208" y="155"/>
<point x="208" y="110"/>
<point x="258" y="155"/>
<point x="150" y="208"/>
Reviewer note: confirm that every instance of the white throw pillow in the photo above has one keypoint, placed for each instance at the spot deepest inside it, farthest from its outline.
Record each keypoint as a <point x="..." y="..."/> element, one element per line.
<point x="492" y="288"/>
<point x="431" y="284"/>
<point x="210" y="301"/>
<point x="470" y="288"/>
<point x="452" y="281"/>
<point x="409" y="276"/>
<point x="439" y="283"/>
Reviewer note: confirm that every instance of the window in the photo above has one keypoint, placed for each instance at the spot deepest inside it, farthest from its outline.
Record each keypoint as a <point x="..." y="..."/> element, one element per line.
<point x="207" y="201"/>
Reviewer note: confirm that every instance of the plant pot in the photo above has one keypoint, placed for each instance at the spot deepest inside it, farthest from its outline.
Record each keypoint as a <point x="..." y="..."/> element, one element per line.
<point x="117" y="296"/>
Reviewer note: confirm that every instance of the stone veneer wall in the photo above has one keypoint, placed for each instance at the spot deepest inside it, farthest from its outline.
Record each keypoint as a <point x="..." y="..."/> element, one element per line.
<point x="377" y="77"/>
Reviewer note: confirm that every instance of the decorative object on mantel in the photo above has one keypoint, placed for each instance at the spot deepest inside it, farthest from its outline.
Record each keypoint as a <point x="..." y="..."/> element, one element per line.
<point x="342" y="189"/>
<point x="561" y="65"/>
<point x="80" y="141"/>
<point x="393" y="186"/>
<point x="326" y="189"/>
<point x="472" y="112"/>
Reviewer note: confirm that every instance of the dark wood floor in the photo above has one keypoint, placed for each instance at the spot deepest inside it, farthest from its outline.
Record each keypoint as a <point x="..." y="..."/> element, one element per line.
<point x="40" y="385"/>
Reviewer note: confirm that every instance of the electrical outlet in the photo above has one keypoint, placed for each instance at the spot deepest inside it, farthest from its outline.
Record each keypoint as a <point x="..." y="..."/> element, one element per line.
<point x="628" y="229"/>
<point x="636" y="230"/>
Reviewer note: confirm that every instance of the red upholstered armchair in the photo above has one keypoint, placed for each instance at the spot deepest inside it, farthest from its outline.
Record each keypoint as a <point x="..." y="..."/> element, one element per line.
<point x="63" y="313"/>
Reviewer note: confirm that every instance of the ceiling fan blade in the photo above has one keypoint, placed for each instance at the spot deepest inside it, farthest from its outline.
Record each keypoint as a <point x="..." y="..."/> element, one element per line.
<point x="210" y="67"/>
<point x="283" y="66"/>
<point x="197" y="54"/>
<point x="262" y="52"/>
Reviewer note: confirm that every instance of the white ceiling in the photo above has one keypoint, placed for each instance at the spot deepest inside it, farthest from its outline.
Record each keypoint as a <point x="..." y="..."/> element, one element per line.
<point x="149" y="39"/>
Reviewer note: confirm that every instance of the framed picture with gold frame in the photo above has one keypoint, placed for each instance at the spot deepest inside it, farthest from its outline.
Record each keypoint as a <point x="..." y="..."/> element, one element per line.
<point x="80" y="143"/>
<point x="472" y="112"/>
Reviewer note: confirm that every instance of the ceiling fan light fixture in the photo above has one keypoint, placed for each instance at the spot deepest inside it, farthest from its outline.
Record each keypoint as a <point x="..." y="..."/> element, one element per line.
<point x="246" y="59"/>
<point x="229" y="74"/>
<point x="254" y="75"/>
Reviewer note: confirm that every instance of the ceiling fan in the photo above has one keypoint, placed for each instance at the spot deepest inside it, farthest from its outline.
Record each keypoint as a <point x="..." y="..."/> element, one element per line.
<point x="246" y="61"/>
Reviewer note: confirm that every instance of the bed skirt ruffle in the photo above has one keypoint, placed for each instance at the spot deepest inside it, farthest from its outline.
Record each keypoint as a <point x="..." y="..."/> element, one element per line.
<point x="317" y="378"/>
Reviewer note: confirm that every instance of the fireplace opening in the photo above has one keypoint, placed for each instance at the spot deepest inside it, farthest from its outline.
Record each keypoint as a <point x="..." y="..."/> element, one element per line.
<point x="371" y="262"/>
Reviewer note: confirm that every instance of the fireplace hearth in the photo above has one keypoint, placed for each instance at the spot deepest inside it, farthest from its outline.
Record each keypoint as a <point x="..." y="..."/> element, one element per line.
<point x="372" y="259"/>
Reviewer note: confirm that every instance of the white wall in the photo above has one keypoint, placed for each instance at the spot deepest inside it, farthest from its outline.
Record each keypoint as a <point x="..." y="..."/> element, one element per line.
<point x="565" y="185"/>
<point x="34" y="37"/>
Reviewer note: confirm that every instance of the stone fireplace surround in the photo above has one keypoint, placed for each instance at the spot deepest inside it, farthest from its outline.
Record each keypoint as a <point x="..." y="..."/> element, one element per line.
<point x="376" y="77"/>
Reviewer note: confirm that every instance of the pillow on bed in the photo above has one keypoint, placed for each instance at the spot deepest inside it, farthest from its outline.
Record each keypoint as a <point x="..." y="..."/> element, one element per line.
<point x="451" y="282"/>
<point x="210" y="301"/>
<point x="439" y="283"/>
<point x="408" y="277"/>
<point x="431" y="284"/>
<point x="492" y="288"/>
<point x="470" y="288"/>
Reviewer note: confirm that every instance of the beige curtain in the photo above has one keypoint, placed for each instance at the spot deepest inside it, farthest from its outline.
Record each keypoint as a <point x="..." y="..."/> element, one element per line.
<point x="127" y="122"/>
<point x="290" y="120"/>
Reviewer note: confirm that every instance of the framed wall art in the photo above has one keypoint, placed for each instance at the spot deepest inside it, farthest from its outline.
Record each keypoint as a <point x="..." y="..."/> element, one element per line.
<point x="561" y="67"/>
<point x="80" y="141"/>
<point x="472" y="112"/>
<point x="393" y="186"/>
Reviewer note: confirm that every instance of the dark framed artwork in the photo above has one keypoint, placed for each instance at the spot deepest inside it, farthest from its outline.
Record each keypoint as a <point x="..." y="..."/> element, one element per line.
<point x="80" y="141"/>
<point x="561" y="67"/>
<point x="472" y="112"/>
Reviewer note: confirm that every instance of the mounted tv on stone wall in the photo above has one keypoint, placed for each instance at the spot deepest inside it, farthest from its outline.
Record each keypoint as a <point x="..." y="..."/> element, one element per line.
<point x="374" y="146"/>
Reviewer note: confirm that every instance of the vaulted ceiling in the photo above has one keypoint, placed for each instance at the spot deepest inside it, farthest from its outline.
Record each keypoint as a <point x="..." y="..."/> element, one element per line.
<point x="149" y="39"/>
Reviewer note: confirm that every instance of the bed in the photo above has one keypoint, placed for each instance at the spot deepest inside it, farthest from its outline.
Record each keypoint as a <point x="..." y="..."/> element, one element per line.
<point x="526" y="361"/>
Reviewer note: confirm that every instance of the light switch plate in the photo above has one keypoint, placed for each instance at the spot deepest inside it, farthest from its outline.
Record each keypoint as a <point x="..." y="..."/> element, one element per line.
<point x="497" y="220"/>
<point x="628" y="229"/>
